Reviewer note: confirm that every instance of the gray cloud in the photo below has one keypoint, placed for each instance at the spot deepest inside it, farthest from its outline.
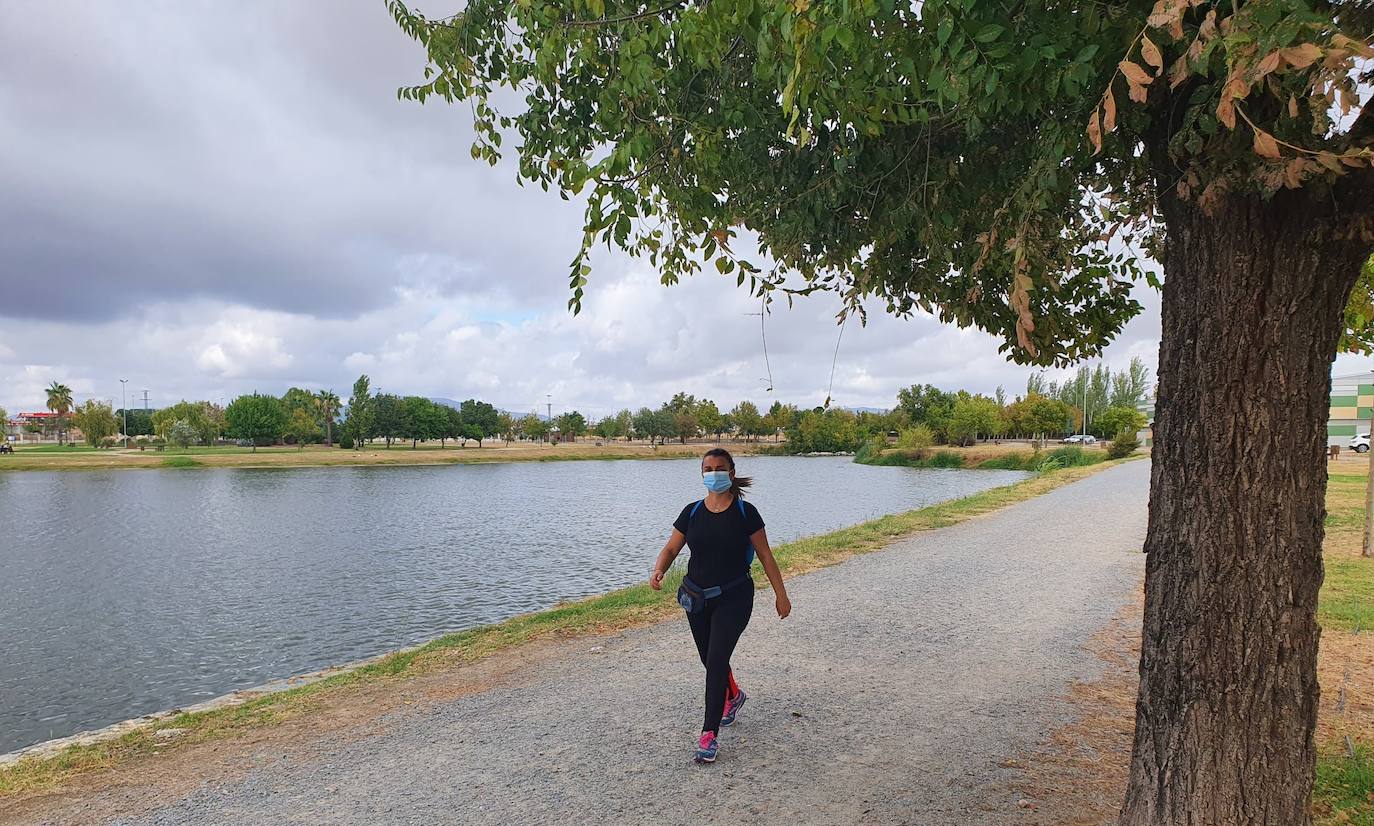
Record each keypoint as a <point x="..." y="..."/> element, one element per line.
<point x="253" y="153"/>
<point x="210" y="199"/>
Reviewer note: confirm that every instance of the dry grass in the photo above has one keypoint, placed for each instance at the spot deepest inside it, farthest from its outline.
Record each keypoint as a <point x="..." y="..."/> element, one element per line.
<point x="319" y="456"/>
<point x="1079" y="775"/>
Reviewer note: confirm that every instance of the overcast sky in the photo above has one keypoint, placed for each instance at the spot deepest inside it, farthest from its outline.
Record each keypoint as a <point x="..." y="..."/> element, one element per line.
<point x="214" y="198"/>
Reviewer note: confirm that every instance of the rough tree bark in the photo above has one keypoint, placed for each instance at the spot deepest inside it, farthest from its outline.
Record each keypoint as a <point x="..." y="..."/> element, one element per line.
<point x="1253" y="297"/>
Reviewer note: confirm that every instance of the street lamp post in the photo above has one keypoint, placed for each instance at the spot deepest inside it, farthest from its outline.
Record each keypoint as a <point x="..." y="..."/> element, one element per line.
<point x="124" y="409"/>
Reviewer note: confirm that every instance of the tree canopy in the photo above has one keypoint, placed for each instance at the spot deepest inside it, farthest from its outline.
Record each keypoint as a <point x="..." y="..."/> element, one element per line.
<point x="993" y="164"/>
<point x="260" y="419"/>
<point x="95" y="420"/>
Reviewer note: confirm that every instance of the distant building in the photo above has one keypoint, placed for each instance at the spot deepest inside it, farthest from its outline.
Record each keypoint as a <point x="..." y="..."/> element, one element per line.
<point x="44" y="422"/>
<point x="1352" y="407"/>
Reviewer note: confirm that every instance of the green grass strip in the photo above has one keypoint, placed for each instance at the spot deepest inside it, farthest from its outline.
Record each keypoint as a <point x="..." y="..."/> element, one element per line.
<point x="623" y="608"/>
<point x="1344" y="792"/>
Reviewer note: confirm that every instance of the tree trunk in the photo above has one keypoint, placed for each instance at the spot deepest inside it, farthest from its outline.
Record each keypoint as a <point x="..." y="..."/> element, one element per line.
<point x="1253" y="299"/>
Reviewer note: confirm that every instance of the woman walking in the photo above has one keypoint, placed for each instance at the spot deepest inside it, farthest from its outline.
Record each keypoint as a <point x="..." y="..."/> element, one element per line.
<point x="724" y="533"/>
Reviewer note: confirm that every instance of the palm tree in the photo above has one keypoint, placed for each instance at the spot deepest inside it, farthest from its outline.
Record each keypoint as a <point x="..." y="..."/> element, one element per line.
<point x="328" y="404"/>
<point x="60" y="402"/>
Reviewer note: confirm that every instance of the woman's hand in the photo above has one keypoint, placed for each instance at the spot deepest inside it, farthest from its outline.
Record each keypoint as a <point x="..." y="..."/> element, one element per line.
<point x="784" y="605"/>
<point x="656" y="580"/>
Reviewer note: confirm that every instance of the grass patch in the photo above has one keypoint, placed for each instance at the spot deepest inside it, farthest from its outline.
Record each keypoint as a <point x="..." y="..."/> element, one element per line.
<point x="180" y="461"/>
<point x="1347" y="596"/>
<point x="1344" y="792"/>
<point x="619" y="609"/>
<point x="1034" y="462"/>
<point x="1346" y="601"/>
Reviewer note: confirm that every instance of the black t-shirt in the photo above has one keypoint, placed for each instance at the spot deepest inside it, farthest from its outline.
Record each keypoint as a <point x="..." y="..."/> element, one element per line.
<point x="719" y="542"/>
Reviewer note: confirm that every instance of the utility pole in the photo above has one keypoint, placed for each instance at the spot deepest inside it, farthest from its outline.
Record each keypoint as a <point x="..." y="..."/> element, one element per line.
<point x="124" y="409"/>
<point x="549" y="396"/>
<point x="145" y="400"/>
<point x="1084" y="396"/>
<point x="1367" y="549"/>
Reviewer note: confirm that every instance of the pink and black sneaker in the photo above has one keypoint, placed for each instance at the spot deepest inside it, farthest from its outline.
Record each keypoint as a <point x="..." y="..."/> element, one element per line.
<point x="732" y="707"/>
<point x="706" y="748"/>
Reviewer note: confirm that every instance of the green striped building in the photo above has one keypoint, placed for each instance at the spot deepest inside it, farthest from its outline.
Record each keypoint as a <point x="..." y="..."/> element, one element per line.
<point x="1352" y="407"/>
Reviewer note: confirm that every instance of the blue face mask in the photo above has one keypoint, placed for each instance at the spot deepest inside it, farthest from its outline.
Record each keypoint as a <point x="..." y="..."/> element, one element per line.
<point x="716" y="481"/>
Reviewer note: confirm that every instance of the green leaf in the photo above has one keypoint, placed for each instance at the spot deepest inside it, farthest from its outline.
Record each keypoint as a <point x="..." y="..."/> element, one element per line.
<point x="943" y="30"/>
<point x="989" y="33"/>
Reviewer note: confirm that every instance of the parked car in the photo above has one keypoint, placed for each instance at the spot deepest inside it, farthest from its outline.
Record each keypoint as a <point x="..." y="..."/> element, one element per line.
<point x="1080" y="439"/>
<point x="1360" y="443"/>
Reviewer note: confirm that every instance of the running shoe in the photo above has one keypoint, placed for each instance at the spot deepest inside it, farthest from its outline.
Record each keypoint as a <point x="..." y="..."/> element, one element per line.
<point x="706" y="748"/>
<point x="732" y="707"/>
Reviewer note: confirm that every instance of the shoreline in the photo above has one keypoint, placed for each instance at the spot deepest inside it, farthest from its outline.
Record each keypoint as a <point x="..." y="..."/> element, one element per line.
<point x="27" y="460"/>
<point x="1004" y="455"/>
<point x="44" y="765"/>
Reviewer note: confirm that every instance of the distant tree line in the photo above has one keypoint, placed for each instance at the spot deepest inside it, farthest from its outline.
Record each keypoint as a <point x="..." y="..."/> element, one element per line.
<point x="1093" y="400"/>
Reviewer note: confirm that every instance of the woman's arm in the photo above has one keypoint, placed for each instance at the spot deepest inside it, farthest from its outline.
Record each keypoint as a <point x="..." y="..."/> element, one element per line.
<point x="770" y="568"/>
<point x="671" y="549"/>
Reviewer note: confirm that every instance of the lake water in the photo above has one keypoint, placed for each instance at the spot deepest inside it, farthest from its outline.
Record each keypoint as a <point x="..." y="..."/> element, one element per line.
<point x="128" y="592"/>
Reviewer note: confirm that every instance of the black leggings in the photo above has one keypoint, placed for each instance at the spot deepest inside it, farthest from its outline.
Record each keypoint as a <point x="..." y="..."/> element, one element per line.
<point x="716" y="630"/>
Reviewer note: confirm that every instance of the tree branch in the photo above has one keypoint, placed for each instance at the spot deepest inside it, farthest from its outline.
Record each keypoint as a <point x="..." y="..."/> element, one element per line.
<point x="604" y="21"/>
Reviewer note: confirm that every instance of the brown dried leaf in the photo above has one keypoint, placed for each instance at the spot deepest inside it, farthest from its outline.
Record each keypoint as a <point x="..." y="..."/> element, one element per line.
<point x="1183" y="190"/>
<point x="1226" y="112"/>
<point x="1348" y="100"/>
<point x="1236" y="88"/>
<point x="1292" y="106"/>
<point x="1331" y="162"/>
<point x="1134" y="73"/>
<point x="1270" y="63"/>
<point x="1300" y="57"/>
<point x="1292" y="173"/>
<point x="1335" y="59"/>
<point x="1150" y="52"/>
<point x="1178" y="72"/>
<point x="1354" y="46"/>
<point x="1208" y="29"/>
<point x="1109" y="112"/>
<point x="1350" y="161"/>
<point x="1095" y="132"/>
<point x="1138" y="93"/>
<point x="1265" y="146"/>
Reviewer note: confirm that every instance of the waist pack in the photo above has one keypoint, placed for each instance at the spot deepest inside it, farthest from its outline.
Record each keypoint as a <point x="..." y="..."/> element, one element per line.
<point x="692" y="597"/>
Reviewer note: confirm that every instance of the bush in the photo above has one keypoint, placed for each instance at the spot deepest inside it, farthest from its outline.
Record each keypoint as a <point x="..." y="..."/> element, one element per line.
<point x="1014" y="461"/>
<point x="109" y="442"/>
<point x="181" y="434"/>
<point x="1123" y="445"/>
<point x="871" y="450"/>
<point x="916" y="439"/>
<point x="345" y="441"/>
<point x="947" y="459"/>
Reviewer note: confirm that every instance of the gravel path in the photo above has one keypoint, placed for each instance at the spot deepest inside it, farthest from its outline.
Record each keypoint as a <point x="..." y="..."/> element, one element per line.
<point x="900" y="683"/>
